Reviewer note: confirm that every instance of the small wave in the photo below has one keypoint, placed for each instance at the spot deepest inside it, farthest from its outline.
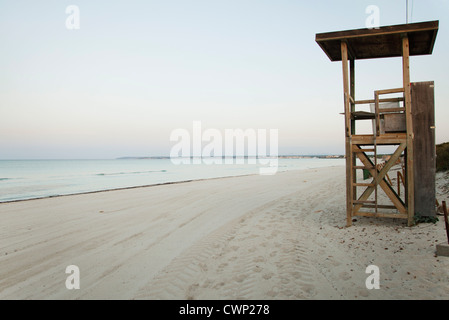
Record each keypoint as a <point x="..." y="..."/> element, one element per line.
<point x="132" y="172"/>
<point x="3" y="179"/>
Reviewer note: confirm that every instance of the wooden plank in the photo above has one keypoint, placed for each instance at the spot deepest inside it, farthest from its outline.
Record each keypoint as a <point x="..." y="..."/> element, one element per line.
<point x="398" y="99"/>
<point x="409" y="122"/>
<point x="400" y="178"/>
<point x="446" y="220"/>
<point x="389" y="91"/>
<point x="380" y="100"/>
<point x="349" y="194"/>
<point x="381" y="206"/>
<point x="359" y="184"/>
<point x="422" y="98"/>
<point x="353" y="122"/>
<point x="385" y="110"/>
<point x="362" y="150"/>
<point x="396" y="29"/>
<point x="352" y="87"/>
<point x="383" y="139"/>
<point x="363" y="201"/>
<point x="376" y="104"/>
<point x="381" y="215"/>
<point x="362" y="115"/>
<point x="395" y="122"/>
<point x="364" y="101"/>
<point x="344" y="52"/>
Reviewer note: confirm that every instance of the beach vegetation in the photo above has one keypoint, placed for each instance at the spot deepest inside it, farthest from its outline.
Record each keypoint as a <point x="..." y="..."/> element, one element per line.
<point x="442" y="161"/>
<point x="424" y="219"/>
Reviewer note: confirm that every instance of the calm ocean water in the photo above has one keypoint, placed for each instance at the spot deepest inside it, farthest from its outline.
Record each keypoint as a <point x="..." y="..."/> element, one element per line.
<point x="29" y="179"/>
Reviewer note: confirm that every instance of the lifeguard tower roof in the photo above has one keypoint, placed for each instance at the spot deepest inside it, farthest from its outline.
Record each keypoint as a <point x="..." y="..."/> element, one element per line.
<point x="383" y="42"/>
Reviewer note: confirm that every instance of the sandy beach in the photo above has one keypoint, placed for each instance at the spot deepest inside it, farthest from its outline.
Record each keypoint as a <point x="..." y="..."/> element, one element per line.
<point x="252" y="237"/>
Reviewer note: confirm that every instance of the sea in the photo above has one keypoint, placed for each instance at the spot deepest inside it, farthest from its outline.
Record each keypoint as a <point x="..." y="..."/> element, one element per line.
<point x="32" y="179"/>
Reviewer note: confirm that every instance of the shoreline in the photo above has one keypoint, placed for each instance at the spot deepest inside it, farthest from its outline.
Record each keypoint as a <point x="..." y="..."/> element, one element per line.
<point x="118" y="189"/>
<point x="149" y="185"/>
<point x="280" y="237"/>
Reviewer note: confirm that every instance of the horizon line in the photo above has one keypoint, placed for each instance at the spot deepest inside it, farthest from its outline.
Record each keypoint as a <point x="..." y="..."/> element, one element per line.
<point x="168" y="157"/>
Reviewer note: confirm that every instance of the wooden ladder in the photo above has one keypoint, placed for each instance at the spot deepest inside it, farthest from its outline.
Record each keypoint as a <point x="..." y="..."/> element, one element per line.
<point x="372" y="167"/>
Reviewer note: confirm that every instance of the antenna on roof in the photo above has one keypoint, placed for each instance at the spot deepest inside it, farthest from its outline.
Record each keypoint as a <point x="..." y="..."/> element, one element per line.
<point x="406" y="11"/>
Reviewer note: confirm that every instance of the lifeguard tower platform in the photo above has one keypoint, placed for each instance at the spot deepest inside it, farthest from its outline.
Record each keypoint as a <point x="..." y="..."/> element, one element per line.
<point x="402" y="118"/>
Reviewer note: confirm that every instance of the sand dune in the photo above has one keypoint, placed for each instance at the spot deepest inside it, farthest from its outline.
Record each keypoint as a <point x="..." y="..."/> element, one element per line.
<point x="251" y="237"/>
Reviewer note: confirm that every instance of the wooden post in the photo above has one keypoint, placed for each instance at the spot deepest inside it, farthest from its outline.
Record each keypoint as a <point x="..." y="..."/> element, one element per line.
<point x="446" y="220"/>
<point x="352" y="93"/>
<point x="409" y="121"/>
<point x="422" y="94"/>
<point x="352" y="90"/>
<point x="349" y="196"/>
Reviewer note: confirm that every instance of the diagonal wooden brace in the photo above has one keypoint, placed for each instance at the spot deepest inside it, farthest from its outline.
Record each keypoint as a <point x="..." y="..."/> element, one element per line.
<point x="380" y="180"/>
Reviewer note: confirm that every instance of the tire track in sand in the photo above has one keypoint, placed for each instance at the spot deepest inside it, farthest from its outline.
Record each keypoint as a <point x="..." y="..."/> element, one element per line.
<point x="262" y="255"/>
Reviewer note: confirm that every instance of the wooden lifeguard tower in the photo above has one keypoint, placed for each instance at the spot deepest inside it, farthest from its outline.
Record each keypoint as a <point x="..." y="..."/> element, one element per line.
<point x="401" y="117"/>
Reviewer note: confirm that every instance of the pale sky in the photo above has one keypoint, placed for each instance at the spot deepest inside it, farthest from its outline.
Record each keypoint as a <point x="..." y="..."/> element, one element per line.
<point x="137" y="70"/>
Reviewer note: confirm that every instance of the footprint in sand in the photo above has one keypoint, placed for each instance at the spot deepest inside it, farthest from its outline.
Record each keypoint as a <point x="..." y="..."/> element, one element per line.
<point x="239" y="278"/>
<point x="268" y="276"/>
<point x="257" y="269"/>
